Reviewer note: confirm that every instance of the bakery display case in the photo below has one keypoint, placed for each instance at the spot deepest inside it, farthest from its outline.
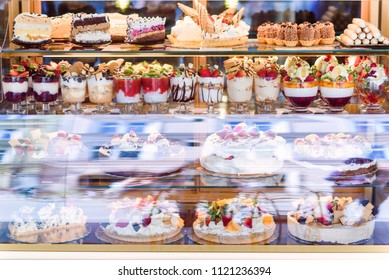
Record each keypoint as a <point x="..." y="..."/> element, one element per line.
<point x="223" y="145"/>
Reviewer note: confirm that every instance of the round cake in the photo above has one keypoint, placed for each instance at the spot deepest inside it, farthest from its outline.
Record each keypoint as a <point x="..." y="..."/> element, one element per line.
<point x="243" y="150"/>
<point x="143" y="220"/>
<point x="332" y="221"/>
<point x="233" y="221"/>
<point x="342" y="154"/>
<point x="49" y="224"/>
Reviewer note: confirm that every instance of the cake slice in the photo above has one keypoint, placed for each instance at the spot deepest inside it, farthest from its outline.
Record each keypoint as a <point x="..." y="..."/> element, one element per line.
<point x="29" y="28"/>
<point x="145" y="29"/>
<point x="61" y="26"/>
<point x="118" y="26"/>
<point x="90" y="29"/>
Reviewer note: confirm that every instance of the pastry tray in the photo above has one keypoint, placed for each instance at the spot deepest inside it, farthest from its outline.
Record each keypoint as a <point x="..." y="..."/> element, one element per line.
<point x="377" y="46"/>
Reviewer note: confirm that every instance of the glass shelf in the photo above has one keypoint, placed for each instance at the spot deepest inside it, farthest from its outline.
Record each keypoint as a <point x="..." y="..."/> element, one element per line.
<point x="253" y="49"/>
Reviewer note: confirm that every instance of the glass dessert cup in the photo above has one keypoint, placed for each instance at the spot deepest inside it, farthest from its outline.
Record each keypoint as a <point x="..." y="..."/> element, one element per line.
<point x="336" y="95"/>
<point x="211" y="92"/>
<point x="45" y="91"/>
<point x="372" y="94"/>
<point x="128" y="92"/>
<point x="15" y="91"/>
<point x="155" y="92"/>
<point x="183" y="90"/>
<point x="267" y="92"/>
<point x="300" y="94"/>
<point x="73" y="92"/>
<point x="240" y="91"/>
<point x="100" y="92"/>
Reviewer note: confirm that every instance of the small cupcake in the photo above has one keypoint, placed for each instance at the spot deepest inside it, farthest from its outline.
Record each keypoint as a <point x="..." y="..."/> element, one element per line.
<point x="271" y="34"/>
<point x="307" y="35"/>
<point x="279" y="40"/>
<point x="327" y="32"/>
<point x="317" y="36"/>
<point x="291" y="36"/>
<point x="261" y="35"/>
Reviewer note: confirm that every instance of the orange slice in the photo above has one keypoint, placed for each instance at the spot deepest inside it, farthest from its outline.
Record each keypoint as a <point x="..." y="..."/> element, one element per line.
<point x="233" y="227"/>
<point x="267" y="220"/>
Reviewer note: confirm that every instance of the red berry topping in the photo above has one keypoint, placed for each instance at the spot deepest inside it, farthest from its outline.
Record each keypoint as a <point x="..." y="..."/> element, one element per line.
<point x="248" y="222"/>
<point x="310" y="78"/>
<point x="272" y="74"/>
<point x="240" y="73"/>
<point x="226" y="219"/>
<point x="230" y="158"/>
<point x="207" y="221"/>
<point x="205" y="72"/>
<point x="262" y="73"/>
<point x="146" y="221"/>
<point x="62" y="134"/>
<point x="231" y="76"/>
<point x="215" y="73"/>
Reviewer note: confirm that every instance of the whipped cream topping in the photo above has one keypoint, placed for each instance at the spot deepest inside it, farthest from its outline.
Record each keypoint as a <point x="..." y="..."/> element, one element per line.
<point x="332" y="146"/>
<point x="226" y="31"/>
<point x="187" y="30"/>
<point x="324" y="61"/>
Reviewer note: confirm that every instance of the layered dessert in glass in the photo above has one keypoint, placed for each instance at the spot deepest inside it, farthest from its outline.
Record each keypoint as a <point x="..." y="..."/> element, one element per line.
<point x="300" y="84"/>
<point x="127" y="85"/>
<point x="372" y="87"/>
<point x="155" y="84"/>
<point x="73" y="86"/>
<point x="100" y="84"/>
<point x="15" y="87"/>
<point x="183" y="83"/>
<point x="267" y="85"/>
<point x="240" y="72"/>
<point x="337" y="87"/>
<point x="211" y="86"/>
<point x="46" y="88"/>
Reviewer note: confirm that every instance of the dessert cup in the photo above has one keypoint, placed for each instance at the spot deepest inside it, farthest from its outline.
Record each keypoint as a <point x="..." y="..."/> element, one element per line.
<point x="372" y="95"/>
<point x="15" y="91"/>
<point x="45" y="91"/>
<point x="336" y="94"/>
<point x="211" y="92"/>
<point x="267" y="92"/>
<point x="73" y="92"/>
<point x="128" y="92"/>
<point x="240" y="91"/>
<point x="155" y="92"/>
<point x="100" y="92"/>
<point x="301" y="94"/>
<point x="183" y="91"/>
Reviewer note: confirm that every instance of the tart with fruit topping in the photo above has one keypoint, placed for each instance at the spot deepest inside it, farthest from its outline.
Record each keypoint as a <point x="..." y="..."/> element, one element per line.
<point x="143" y="220"/>
<point x="327" y="220"/>
<point x="243" y="150"/>
<point x="233" y="221"/>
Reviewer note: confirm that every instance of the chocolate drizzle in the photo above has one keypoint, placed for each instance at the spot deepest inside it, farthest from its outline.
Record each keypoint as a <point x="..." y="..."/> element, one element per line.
<point x="210" y="86"/>
<point x="179" y="93"/>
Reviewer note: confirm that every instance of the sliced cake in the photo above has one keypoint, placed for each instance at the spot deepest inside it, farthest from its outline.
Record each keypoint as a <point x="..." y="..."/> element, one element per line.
<point x="145" y="29"/>
<point x="29" y="28"/>
<point x="61" y="26"/>
<point x="90" y="29"/>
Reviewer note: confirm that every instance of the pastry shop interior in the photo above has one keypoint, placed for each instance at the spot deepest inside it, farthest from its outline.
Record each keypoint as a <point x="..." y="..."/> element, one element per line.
<point x="120" y="129"/>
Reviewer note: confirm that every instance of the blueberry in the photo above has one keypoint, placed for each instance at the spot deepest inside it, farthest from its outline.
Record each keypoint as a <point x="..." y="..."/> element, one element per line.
<point x="136" y="227"/>
<point x="364" y="202"/>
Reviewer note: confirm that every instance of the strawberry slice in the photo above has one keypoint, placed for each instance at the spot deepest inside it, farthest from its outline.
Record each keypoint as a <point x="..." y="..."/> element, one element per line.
<point x="146" y="221"/>
<point x="226" y="219"/>
<point x="240" y="73"/>
<point x="310" y="78"/>
<point x="215" y="73"/>
<point x="271" y="74"/>
<point x="248" y="222"/>
<point x="207" y="220"/>
<point x="205" y="72"/>
<point x="262" y="73"/>
<point x="231" y="76"/>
